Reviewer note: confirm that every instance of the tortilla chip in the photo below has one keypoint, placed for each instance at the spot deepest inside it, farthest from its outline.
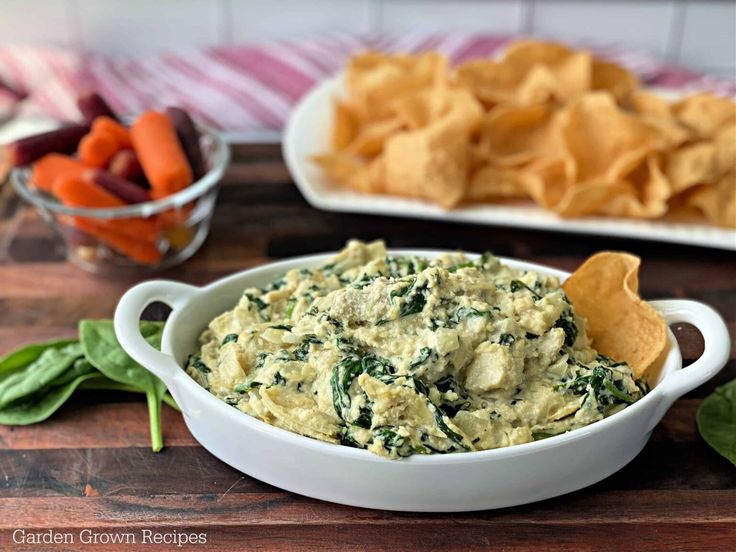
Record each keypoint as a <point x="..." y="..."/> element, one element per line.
<point x="605" y="291"/>
<point x="464" y="109"/>
<point x="537" y="87"/>
<point x="346" y="169"/>
<point x="369" y="142"/>
<point x="417" y="109"/>
<point x="648" y="195"/>
<point x="488" y="80"/>
<point x="522" y="55"/>
<point x="431" y="162"/>
<point x="717" y="202"/>
<point x="725" y="144"/>
<point x="605" y="141"/>
<point x="548" y="69"/>
<point x="344" y="124"/>
<point x="374" y="80"/>
<point x="648" y="103"/>
<point x="574" y="76"/>
<point x="547" y="181"/>
<point x="670" y="133"/>
<point x="516" y="135"/>
<point x="706" y="113"/>
<point x="529" y="73"/>
<point x="587" y="198"/>
<point x="691" y="165"/>
<point x="612" y="78"/>
<point x="376" y="177"/>
<point x="495" y="182"/>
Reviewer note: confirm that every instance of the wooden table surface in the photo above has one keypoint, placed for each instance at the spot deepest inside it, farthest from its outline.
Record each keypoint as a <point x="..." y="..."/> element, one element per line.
<point x="90" y="466"/>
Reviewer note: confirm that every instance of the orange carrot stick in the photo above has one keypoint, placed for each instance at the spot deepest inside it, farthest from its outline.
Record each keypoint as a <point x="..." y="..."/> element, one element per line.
<point x="79" y="192"/>
<point x="97" y="148"/>
<point x="141" y="252"/>
<point x="106" y="125"/>
<point x="76" y="192"/>
<point x="52" y="166"/>
<point x="160" y="154"/>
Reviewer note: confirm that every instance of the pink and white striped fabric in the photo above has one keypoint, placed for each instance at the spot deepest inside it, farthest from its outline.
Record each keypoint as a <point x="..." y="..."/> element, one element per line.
<point x="252" y="88"/>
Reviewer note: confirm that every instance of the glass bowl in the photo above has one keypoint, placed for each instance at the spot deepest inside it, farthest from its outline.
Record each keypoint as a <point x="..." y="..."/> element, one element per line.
<point x="138" y="238"/>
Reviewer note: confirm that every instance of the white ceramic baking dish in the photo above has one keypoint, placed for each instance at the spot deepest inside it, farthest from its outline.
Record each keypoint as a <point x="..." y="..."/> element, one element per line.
<point x="435" y="483"/>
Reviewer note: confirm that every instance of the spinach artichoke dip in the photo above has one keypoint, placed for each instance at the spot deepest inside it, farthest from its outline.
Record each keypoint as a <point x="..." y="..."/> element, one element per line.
<point x="402" y="355"/>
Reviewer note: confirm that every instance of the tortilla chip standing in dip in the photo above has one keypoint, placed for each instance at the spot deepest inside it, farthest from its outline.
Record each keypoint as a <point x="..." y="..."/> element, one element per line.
<point x="605" y="291"/>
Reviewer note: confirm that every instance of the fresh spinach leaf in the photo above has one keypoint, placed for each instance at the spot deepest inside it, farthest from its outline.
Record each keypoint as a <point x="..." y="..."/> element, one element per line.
<point x="51" y="363"/>
<point x="103" y="351"/>
<point x="35" y="409"/>
<point x="24" y="356"/>
<point x="103" y="383"/>
<point x="717" y="420"/>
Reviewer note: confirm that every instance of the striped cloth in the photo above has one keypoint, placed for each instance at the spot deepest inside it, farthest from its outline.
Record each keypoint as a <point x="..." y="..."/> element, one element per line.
<point x="252" y="88"/>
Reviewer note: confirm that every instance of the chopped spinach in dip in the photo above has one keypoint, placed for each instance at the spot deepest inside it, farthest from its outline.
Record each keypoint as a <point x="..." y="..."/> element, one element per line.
<point x="403" y="355"/>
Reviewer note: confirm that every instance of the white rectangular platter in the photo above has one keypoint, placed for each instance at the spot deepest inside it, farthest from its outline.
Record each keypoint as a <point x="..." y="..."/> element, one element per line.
<point x="307" y="134"/>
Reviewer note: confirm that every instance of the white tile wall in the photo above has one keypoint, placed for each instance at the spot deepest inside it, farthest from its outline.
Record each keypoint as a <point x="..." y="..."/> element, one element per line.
<point x="140" y="26"/>
<point x="709" y="36"/>
<point x="701" y="34"/>
<point x="470" y="15"/>
<point x="36" y="22"/>
<point x="644" y="24"/>
<point x="259" y="19"/>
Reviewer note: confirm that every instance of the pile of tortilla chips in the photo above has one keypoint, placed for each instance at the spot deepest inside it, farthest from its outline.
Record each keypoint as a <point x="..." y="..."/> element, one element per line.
<point x="574" y="133"/>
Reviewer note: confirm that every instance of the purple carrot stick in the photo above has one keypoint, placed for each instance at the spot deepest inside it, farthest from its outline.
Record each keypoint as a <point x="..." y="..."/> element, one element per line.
<point x="124" y="189"/>
<point x="189" y="138"/>
<point x="92" y="105"/>
<point x="27" y="150"/>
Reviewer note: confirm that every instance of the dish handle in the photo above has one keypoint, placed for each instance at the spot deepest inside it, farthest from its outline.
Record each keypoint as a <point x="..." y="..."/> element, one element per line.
<point x="715" y="352"/>
<point x="127" y="317"/>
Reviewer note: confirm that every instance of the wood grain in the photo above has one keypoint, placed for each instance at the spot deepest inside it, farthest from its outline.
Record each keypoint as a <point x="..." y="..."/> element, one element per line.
<point x="90" y="465"/>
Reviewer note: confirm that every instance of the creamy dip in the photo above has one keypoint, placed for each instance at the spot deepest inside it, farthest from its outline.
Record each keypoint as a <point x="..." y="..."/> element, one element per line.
<point x="403" y="355"/>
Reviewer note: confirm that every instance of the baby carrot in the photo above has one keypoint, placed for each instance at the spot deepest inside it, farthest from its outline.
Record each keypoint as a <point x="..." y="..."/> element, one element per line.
<point x="106" y="125"/>
<point x="53" y="166"/>
<point x="79" y="192"/>
<point x="160" y="154"/>
<point x="142" y="252"/>
<point x="97" y="148"/>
